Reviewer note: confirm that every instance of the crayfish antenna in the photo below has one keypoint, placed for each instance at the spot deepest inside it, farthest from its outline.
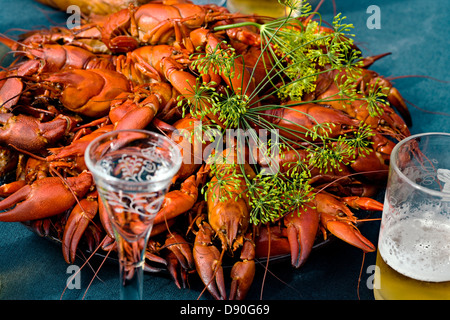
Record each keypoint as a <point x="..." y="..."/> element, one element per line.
<point x="82" y="266"/>
<point x="96" y="272"/>
<point x="360" y="274"/>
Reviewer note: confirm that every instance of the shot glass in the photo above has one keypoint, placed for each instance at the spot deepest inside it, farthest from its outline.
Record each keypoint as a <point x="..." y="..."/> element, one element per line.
<point x="132" y="170"/>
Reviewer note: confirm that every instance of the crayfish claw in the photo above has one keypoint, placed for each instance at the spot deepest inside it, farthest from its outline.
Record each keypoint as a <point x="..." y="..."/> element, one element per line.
<point x="368" y="61"/>
<point x="350" y="234"/>
<point x="77" y="223"/>
<point x="176" y="270"/>
<point x="44" y="198"/>
<point x="181" y="249"/>
<point x="337" y="218"/>
<point x="364" y="203"/>
<point x="208" y="262"/>
<point x="395" y="98"/>
<point x="243" y="272"/>
<point x="302" y="227"/>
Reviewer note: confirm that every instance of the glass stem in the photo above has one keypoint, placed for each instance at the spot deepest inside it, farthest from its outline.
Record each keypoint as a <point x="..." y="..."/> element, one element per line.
<point x="131" y="263"/>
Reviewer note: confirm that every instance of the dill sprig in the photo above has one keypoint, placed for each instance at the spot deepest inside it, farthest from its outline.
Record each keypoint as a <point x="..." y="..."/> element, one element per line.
<point x="230" y="107"/>
<point x="225" y="180"/>
<point x="271" y="197"/>
<point x="218" y="60"/>
<point x="300" y="50"/>
<point x="376" y="97"/>
<point x="198" y="102"/>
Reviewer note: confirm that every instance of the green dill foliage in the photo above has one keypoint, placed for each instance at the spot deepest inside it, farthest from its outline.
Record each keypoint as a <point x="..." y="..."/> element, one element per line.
<point x="302" y="48"/>
<point x="198" y="102"/>
<point x="376" y="98"/>
<point x="226" y="179"/>
<point x="230" y="107"/>
<point x="300" y="51"/>
<point x="361" y="141"/>
<point x="333" y="152"/>
<point x="218" y="60"/>
<point x="373" y="95"/>
<point x="272" y="197"/>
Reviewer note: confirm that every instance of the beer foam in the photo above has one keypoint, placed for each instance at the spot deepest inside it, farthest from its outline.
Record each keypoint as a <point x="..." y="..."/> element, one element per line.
<point x="419" y="247"/>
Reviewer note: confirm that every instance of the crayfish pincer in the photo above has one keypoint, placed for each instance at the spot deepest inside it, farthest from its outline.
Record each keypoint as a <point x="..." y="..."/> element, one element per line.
<point x="29" y="133"/>
<point x="208" y="262"/>
<point x="44" y="198"/>
<point x="243" y="272"/>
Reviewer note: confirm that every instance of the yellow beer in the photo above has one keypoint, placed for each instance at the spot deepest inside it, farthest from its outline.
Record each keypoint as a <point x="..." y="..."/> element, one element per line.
<point x="270" y="8"/>
<point x="413" y="261"/>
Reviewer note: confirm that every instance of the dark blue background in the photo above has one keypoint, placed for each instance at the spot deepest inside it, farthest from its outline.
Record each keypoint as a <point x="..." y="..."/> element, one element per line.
<point x="414" y="31"/>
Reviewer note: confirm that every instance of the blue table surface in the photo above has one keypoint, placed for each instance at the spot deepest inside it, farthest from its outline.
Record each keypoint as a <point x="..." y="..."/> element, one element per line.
<point x="414" y="31"/>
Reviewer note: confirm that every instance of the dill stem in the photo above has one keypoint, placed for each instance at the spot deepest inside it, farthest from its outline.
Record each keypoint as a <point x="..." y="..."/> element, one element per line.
<point x="238" y="25"/>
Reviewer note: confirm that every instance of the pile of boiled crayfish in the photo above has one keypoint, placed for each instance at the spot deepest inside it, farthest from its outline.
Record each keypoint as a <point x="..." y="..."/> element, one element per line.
<point x="138" y="68"/>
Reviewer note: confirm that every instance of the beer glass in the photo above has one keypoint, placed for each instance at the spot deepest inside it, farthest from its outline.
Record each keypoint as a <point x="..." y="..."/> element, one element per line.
<point x="132" y="170"/>
<point x="413" y="258"/>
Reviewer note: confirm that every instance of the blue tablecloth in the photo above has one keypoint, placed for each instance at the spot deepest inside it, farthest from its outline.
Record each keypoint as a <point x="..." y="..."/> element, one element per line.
<point x="414" y="31"/>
